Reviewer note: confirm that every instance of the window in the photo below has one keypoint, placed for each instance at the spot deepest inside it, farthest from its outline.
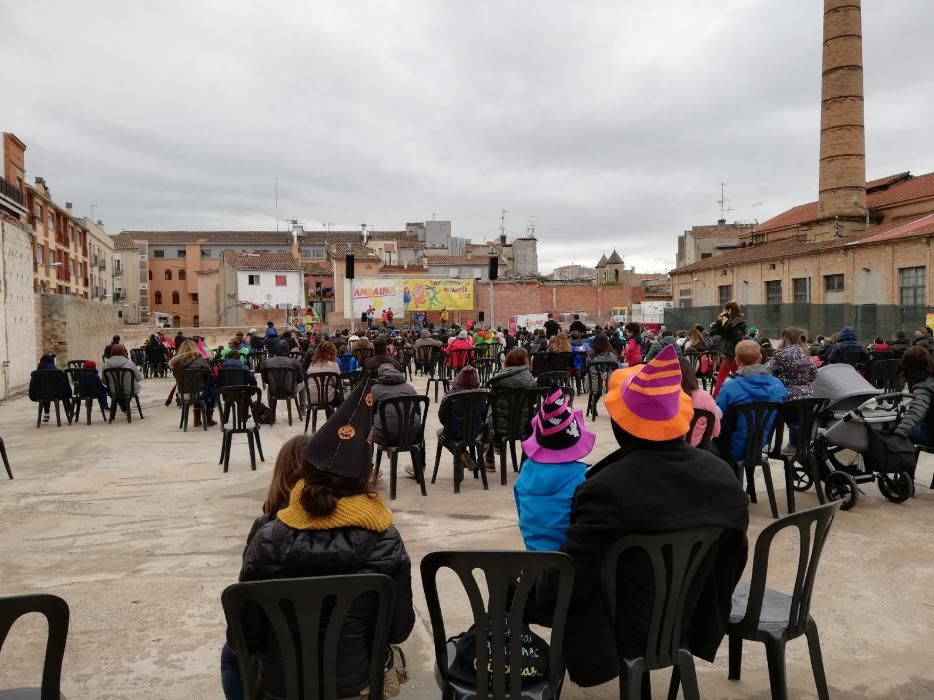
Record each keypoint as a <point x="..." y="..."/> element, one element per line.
<point x="317" y="252"/>
<point x="168" y="274"/>
<point x="773" y="292"/>
<point x="281" y="281"/>
<point x="833" y="283"/>
<point x="150" y="275"/>
<point x="39" y="254"/>
<point x="157" y="299"/>
<point x="182" y="275"/>
<point x="196" y="321"/>
<point x="912" y="286"/>
<point x="175" y="298"/>
<point x="158" y="253"/>
<point x="180" y="253"/>
<point x="724" y="293"/>
<point x="704" y="256"/>
<point x="616" y="276"/>
<point x="194" y="298"/>
<point x="37" y="212"/>
<point x="801" y="290"/>
<point x="51" y="221"/>
<point x="453" y="271"/>
<point x="252" y="280"/>
<point x="205" y="253"/>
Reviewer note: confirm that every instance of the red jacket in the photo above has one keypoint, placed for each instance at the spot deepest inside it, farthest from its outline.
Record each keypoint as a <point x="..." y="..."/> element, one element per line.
<point x="458" y="360"/>
<point x="633" y="352"/>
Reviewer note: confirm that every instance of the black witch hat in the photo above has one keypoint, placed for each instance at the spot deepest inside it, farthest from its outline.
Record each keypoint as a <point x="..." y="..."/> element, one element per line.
<point x="341" y="446"/>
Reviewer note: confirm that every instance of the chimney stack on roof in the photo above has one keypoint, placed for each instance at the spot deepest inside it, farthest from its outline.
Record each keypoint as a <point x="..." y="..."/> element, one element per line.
<point x="842" y="180"/>
<point x="721" y="223"/>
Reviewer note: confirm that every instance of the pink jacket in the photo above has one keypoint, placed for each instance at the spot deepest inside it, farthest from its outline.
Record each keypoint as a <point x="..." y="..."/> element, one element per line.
<point x="704" y="401"/>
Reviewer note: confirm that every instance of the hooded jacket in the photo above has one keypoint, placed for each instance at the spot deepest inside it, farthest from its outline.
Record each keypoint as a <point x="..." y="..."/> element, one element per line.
<point x="390" y="383"/>
<point x="752" y="384"/>
<point x="661" y="344"/>
<point x="544" y="493"/>
<point x="846" y="342"/>
<point x="898" y="346"/>
<point x="730" y="331"/>
<point x="517" y="377"/>
<point x="121" y="362"/>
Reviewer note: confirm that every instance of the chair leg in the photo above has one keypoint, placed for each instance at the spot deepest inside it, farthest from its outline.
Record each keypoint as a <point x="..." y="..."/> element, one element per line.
<point x="736" y="657"/>
<point x="227" y="452"/>
<point x="223" y="444"/>
<point x="684" y="671"/>
<point x="39" y="416"/>
<point x="434" y="473"/>
<point x="418" y="462"/>
<point x="769" y="488"/>
<point x="249" y="439"/>
<point x="512" y="453"/>
<point x="778" y="680"/>
<point x="815" y="478"/>
<point x="480" y="459"/>
<point x="502" y="464"/>
<point x="259" y="445"/>
<point x="751" y="482"/>
<point x="6" y="462"/>
<point x="789" y="465"/>
<point x="204" y="412"/>
<point x="58" y="414"/>
<point x="183" y="419"/>
<point x="288" y="408"/>
<point x="87" y="409"/>
<point x="393" y="457"/>
<point x="630" y="680"/>
<point x="817" y="660"/>
<point x="379" y="458"/>
<point x="113" y="409"/>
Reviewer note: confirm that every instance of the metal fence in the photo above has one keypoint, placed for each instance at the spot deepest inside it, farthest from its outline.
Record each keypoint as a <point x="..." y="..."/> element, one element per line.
<point x="869" y="320"/>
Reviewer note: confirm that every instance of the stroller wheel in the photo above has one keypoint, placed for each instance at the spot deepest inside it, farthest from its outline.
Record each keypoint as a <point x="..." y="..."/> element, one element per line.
<point x="840" y="486"/>
<point x="801" y="478"/>
<point x="898" y="487"/>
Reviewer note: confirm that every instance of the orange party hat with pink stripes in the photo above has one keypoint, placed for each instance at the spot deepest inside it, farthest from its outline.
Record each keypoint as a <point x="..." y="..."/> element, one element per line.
<point x="647" y="401"/>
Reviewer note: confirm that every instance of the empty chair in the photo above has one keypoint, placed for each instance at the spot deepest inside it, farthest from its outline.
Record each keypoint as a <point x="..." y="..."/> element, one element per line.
<point x="539" y="362"/>
<point x="323" y="387"/>
<point x="235" y="420"/>
<point x="676" y="562"/>
<point x="434" y="364"/>
<point x="553" y="378"/>
<point x="6" y="461"/>
<point x="55" y="611"/>
<point x="512" y="413"/>
<point x="408" y="414"/>
<point x="510" y="579"/>
<point x="802" y="468"/>
<point x="761" y="614"/>
<point x="486" y="366"/>
<point x="883" y="374"/>
<point x="463" y="433"/>
<point x="305" y="617"/>
<point x="763" y="424"/>
<point x="192" y="384"/>
<point x="121" y="385"/>
<point x="48" y="386"/>
<point x="156" y="363"/>
<point x="282" y="385"/>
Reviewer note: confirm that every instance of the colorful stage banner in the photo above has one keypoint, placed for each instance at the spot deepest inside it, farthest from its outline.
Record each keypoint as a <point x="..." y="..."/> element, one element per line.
<point x="407" y="295"/>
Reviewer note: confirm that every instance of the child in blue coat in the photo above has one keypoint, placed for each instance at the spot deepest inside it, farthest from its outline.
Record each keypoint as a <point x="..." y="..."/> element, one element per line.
<point x="545" y="488"/>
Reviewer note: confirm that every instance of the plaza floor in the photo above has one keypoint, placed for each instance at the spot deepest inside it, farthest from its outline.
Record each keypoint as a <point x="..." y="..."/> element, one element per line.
<point x="139" y="530"/>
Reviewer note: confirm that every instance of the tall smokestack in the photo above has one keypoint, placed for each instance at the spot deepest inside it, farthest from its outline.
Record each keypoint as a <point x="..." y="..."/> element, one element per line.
<point x="842" y="179"/>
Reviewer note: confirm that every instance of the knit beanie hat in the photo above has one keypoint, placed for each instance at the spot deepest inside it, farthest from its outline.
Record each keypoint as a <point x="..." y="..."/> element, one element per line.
<point x="467" y="378"/>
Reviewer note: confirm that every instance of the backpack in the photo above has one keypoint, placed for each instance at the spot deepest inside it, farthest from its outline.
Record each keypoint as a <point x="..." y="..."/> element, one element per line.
<point x="261" y="413"/>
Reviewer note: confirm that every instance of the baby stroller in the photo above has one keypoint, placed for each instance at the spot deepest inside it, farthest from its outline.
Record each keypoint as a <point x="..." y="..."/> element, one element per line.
<point x="842" y="446"/>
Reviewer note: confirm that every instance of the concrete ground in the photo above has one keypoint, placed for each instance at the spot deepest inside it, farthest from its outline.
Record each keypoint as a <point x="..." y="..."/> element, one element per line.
<point x="140" y="531"/>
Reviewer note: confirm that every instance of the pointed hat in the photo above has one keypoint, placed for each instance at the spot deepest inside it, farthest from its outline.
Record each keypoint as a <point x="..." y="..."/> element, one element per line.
<point x="340" y="445"/>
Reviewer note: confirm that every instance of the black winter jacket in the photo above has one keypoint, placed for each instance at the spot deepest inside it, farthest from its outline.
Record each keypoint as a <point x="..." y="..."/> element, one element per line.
<point x="919" y="410"/>
<point x="516" y="377"/>
<point x="730" y="331"/>
<point x="278" y="551"/>
<point x="647" y="488"/>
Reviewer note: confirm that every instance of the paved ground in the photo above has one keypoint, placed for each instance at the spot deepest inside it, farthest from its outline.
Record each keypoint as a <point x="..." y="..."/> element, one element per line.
<point x="139" y="530"/>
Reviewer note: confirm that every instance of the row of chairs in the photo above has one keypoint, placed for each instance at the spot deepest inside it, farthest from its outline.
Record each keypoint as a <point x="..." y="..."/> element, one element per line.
<point x="48" y="388"/>
<point x="306" y="616"/>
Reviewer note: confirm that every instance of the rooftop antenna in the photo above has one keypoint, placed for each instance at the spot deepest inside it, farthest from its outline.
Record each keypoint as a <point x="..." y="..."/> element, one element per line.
<point x="502" y="222"/>
<point x="93" y="207"/>
<point x="722" y="202"/>
<point x="433" y="215"/>
<point x="276" y="180"/>
<point x="531" y="228"/>
<point x="363" y="228"/>
<point x="755" y="208"/>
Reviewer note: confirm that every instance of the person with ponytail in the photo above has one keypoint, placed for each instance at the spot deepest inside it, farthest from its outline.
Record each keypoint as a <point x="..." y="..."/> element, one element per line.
<point x="333" y="523"/>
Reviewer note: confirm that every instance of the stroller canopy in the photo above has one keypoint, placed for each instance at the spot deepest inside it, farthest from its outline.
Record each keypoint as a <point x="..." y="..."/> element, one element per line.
<point x="843" y="386"/>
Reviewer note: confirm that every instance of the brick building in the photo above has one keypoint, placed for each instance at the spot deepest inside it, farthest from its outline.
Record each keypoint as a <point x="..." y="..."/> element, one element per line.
<point x="703" y="242"/>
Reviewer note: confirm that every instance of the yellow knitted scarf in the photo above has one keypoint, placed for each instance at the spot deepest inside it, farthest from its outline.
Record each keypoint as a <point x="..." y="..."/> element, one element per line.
<point x="362" y="510"/>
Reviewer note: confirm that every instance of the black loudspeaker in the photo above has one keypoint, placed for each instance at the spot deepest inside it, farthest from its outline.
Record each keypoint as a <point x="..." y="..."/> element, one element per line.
<point x="363" y="316"/>
<point x="494" y="267"/>
<point x="348" y="266"/>
<point x="480" y="316"/>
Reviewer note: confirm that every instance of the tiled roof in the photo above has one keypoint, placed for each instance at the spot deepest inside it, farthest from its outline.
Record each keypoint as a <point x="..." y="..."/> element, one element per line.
<point x="360" y="251"/>
<point x="602" y="261"/>
<point x="403" y="268"/>
<point x="458" y="260"/>
<point x="916" y="188"/>
<point x="411" y="242"/>
<point x="887" y="181"/>
<point x="796" y="215"/>
<point x="388" y="235"/>
<point x="316" y="268"/>
<point x="715" y="231"/>
<point x="122" y="241"/>
<point x="897" y="230"/>
<point x="262" y="261"/>
<point x="614" y="259"/>
<point x="192" y="237"/>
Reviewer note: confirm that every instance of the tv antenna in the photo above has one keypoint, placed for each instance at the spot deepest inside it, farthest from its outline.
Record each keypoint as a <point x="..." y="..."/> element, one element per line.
<point x="502" y="222"/>
<point x="363" y="229"/>
<point x="531" y="227"/>
<point x="755" y="208"/>
<point x="722" y="202"/>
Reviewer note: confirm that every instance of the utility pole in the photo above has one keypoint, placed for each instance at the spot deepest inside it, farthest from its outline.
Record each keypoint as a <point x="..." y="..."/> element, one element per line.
<point x="276" y="180"/>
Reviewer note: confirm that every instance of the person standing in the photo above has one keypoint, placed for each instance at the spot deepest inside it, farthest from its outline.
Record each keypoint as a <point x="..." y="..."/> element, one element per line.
<point x="552" y="327"/>
<point x="730" y="326"/>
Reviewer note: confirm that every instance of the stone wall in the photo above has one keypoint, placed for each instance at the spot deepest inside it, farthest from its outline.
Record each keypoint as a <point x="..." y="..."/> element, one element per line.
<point x="76" y="329"/>
<point x="18" y="312"/>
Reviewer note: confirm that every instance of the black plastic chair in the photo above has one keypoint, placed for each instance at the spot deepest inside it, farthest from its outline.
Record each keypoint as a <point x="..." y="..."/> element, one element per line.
<point x="410" y="413"/>
<point x="306" y="616"/>
<point x="883" y="374"/>
<point x="235" y="420"/>
<point x="538" y="362"/>
<point x="765" y="615"/>
<point x="457" y="359"/>
<point x="79" y="393"/>
<point x="470" y="409"/>
<point x="486" y="367"/>
<point x="281" y="384"/>
<point x="121" y="385"/>
<point x="763" y="421"/>
<point x="6" y="461"/>
<point x="856" y="358"/>
<point x="513" y="408"/>
<point x="363" y="354"/>
<point x="510" y="582"/>
<point x="55" y="611"/>
<point x="76" y="364"/>
<point x="709" y="422"/>
<point x="51" y="386"/>
<point x="434" y="364"/>
<point x="349" y="380"/>
<point x="553" y="378"/>
<point x="598" y="379"/>
<point x="802" y="469"/>
<point x="233" y="376"/>
<point x="317" y="384"/>
<point x="191" y="385"/>
<point x="156" y="364"/>
<point x="676" y="560"/>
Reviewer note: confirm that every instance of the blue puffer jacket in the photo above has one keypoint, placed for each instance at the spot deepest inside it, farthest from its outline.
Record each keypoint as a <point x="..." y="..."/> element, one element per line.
<point x="846" y="342"/>
<point x="544" y="494"/>
<point x="760" y="386"/>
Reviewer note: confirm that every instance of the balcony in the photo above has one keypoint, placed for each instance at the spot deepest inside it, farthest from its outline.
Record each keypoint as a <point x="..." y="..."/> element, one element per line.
<point x="12" y="198"/>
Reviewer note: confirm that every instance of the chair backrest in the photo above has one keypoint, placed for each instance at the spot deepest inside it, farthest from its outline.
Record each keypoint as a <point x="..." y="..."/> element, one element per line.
<point x="351" y="379"/>
<point x="306" y="615"/>
<point x="510" y="581"/>
<point x="559" y="361"/>
<point x="46" y="384"/>
<point x="56" y="614"/>
<point x="318" y="384"/>
<point x="363" y="354"/>
<point x="883" y="374"/>
<point x="538" y="362"/>
<point x="675" y="559"/>
<point x="280" y="381"/>
<point x="544" y="392"/>
<point x="79" y="382"/>
<point x="809" y="553"/>
<point x="513" y="409"/>
<point x="233" y="376"/>
<point x="469" y="409"/>
<point x="804" y="412"/>
<point x="76" y="364"/>
<point x="856" y="358"/>
<point x="410" y="414"/>
<point x="192" y="381"/>
<point x="235" y="402"/>
<point x="598" y="376"/>
<point x="764" y="425"/>
<point x="708" y="416"/>
<point x="120" y="381"/>
<point x="486" y="366"/>
<point x="459" y="357"/>
<point x="554" y="378"/>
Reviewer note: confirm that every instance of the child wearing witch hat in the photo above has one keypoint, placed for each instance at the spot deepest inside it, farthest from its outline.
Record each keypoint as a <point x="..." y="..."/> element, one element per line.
<point x="545" y="488"/>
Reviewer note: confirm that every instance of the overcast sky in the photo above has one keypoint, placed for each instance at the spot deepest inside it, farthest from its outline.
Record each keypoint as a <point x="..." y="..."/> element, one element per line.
<point x="611" y="123"/>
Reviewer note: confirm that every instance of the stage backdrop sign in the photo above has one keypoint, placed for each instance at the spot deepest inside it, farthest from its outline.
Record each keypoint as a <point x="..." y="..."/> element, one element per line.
<point x="406" y="295"/>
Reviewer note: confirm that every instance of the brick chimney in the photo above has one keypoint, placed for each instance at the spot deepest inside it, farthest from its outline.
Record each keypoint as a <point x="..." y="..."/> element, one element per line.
<point x="842" y="180"/>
